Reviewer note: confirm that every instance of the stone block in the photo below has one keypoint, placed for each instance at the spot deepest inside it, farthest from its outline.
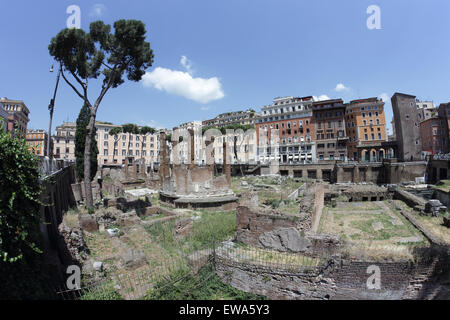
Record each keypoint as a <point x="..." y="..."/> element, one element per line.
<point x="88" y="223"/>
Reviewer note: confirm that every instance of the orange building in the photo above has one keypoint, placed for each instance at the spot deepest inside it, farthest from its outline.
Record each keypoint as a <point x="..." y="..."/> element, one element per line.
<point x="366" y="129"/>
<point x="37" y="142"/>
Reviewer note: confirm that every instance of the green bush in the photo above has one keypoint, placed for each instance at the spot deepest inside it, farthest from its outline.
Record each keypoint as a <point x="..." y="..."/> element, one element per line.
<point x="19" y="200"/>
<point x="23" y="272"/>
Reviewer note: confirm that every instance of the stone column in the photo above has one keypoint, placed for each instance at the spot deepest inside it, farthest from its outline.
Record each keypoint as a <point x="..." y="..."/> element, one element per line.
<point x="369" y="177"/>
<point x="135" y="169"/>
<point x="291" y="173"/>
<point x="319" y="174"/>
<point x="210" y="157"/>
<point x="356" y="174"/>
<point x="126" y="168"/>
<point x="226" y="165"/>
<point x="192" y="148"/>
<point x="304" y="173"/>
<point x="143" y="169"/>
<point x="340" y="174"/>
<point x="162" y="157"/>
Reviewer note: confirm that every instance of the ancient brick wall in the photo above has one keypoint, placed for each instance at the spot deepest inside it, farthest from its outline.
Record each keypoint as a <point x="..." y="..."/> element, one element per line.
<point x="345" y="279"/>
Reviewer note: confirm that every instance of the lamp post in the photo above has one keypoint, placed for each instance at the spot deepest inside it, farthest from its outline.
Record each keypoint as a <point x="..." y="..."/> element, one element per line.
<point x="51" y="107"/>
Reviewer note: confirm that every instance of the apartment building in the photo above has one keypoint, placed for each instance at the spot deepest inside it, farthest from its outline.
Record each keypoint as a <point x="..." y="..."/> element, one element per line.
<point x="284" y="131"/>
<point x="246" y="117"/>
<point x="114" y="149"/>
<point x="36" y="141"/>
<point x="329" y="127"/>
<point x="430" y="134"/>
<point x="366" y="130"/>
<point x="427" y="109"/>
<point x="17" y="116"/>
<point x="64" y="141"/>
<point x="3" y="118"/>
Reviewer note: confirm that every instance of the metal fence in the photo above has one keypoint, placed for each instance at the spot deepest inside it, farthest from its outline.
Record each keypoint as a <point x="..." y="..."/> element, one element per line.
<point x="148" y="283"/>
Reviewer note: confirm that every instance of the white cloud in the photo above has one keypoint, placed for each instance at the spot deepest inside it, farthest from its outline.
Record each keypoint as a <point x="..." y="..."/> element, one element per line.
<point x="321" y="98"/>
<point x="97" y="10"/>
<point x="340" y="87"/>
<point x="384" y="97"/>
<point x="187" y="64"/>
<point x="152" y="123"/>
<point x="183" y="84"/>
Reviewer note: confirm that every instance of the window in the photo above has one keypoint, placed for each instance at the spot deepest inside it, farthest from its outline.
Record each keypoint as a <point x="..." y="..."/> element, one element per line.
<point x="105" y="136"/>
<point x="105" y="152"/>
<point x="366" y="137"/>
<point x="105" y="143"/>
<point x="124" y="152"/>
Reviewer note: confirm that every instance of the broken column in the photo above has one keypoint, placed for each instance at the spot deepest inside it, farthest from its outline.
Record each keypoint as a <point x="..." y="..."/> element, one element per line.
<point x="210" y="155"/>
<point x="126" y="168"/>
<point x="162" y="156"/>
<point x="356" y="174"/>
<point x="142" y="169"/>
<point x="191" y="149"/>
<point x="340" y="174"/>
<point x="135" y="169"/>
<point x="226" y="165"/>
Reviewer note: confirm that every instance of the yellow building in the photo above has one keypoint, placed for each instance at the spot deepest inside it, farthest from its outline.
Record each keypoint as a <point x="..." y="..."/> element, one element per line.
<point x="37" y="142"/>
<point x="366" y="128"/>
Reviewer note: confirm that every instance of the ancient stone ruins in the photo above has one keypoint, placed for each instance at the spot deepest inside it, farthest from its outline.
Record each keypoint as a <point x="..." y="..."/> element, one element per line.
<point x="278" y="236"/>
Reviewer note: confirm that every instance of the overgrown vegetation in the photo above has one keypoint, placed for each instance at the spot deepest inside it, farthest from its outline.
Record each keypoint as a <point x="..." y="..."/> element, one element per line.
<point x="80" y="141"/>
<point x="23" y="273"/>
<point x="103" y="292"/>
<point x="211" y="225"/>
<point x="205" y="285"/>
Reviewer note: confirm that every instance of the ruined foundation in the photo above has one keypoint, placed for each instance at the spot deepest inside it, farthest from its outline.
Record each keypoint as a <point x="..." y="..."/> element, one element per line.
<point x="191" y="186"/>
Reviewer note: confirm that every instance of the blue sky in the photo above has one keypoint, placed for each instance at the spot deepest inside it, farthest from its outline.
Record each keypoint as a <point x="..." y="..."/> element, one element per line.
<point x="237" y="54"/>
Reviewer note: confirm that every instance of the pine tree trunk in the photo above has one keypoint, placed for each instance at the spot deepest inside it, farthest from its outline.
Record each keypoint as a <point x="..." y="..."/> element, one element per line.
<point x="87" y="161"/>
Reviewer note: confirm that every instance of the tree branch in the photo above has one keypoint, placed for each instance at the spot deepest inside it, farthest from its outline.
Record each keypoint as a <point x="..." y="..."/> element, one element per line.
<point x="72" y="86"/>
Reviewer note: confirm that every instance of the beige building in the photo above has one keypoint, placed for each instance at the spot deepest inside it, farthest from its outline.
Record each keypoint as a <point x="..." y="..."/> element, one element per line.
<point x="112" y="149"/>
<point x="64" y="141"/>
<point x="17" y="116"/>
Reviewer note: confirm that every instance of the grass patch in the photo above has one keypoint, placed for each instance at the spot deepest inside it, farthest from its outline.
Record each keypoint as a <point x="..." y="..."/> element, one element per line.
<point x="102" y="292"/>
<point x="205" y="285"/>
<point x="212" y="225"/>
<point x="443" y="185"/>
